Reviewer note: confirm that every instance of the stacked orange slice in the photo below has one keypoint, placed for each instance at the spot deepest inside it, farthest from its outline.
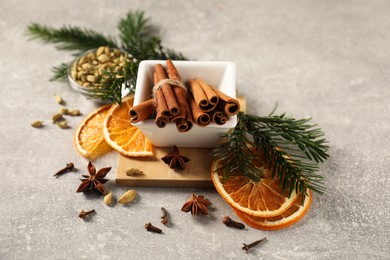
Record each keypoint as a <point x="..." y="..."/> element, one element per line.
<point x="262" y="205"/>
<point x="109" y="128"/>
<point x="121" y="135"/>
<point x="88" y="138"/>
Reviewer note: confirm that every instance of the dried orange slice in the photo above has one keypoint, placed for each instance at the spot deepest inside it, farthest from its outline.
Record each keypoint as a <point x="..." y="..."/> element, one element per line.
<point x="121" y="135"/>
<point x="289" y="217"/>
<point x="264" y="199"/>
<point x="88" y="138"/>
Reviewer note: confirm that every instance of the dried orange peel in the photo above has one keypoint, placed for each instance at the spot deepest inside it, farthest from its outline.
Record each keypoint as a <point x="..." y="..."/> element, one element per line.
<point x="121" y="135"/>
<point x="88" y="138"/>
<point x="264" y="199"/>
<point x="295" y="213"/>
<point x="263" y="205"/>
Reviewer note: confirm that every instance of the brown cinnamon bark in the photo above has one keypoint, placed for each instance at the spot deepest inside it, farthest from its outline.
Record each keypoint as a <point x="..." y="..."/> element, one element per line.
<point x="172" y="72"/>
<point x="142" y="111"/>
<point x="185" y="124"/>
<point x="162" y="116"/>
<point x="198" y="93"/>
<point x="218" y="117"/>
<point x="189" y="118"/>
<point x="161" y="121"/>
<point x="200" y="118"/>
<point x="180" y="93"/>
<point x="167" y="91"/>
<point x="228" y="105"/>
<point x="211" y="96"/>
<point x="183" y="119"/>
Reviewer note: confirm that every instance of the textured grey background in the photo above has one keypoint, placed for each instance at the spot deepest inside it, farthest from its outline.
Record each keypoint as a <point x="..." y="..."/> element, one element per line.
<point x="324" y="59"/>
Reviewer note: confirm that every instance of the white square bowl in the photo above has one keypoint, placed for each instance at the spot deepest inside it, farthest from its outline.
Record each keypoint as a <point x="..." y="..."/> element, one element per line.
<point x="219" y="74"/>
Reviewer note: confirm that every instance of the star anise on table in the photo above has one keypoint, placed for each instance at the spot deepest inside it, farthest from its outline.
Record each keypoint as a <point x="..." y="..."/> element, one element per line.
<point x="175" y="160"/>
<point x="95" y="180"/>
<point x="197" y="205"/>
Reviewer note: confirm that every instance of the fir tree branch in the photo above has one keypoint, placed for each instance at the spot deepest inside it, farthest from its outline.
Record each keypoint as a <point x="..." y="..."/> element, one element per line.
<point x="70" y="38"/>
<point x="133" y="29"/>
<point x="287" y="145"/>
<point x="239" y="147"/>
<point x="60" y="72"/>
<point x="136" y="38"/>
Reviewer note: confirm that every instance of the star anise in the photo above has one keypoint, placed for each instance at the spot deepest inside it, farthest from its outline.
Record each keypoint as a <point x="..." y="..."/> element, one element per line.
<point x="175" y="160"/>
<point x="95" y="180"/>
<point x="197" y="205"/>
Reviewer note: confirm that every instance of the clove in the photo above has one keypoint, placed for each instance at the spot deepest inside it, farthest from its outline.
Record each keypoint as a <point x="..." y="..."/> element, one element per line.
<point x="69" y="167"/>
<point x="231" y="223"/>
<point x="151" y="228"/>
<point x="164" y="217"/>
<point x="247" y="247"/>
<point x="84" y="214"/>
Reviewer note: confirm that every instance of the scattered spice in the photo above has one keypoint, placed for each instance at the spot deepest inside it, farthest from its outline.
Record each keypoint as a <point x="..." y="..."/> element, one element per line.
<point x="83" y="214"/>
<point x="127" y="197"/>
<point x="247" y="247"/>
<point x="37" y="124"/>
<point x="231" y="223"/>
<point x="62" y="124"/>
<point x="69" y="167"/>
<point x="59" y="100"/>
<point x="74" y="112"/>
<point x="95" y="180"/>
<point x="133" y="172"/>
<point x="64" y="111"/>
<point x="149" y="227"/>
<point x="164" y="217"/>
<point x="175" y="160"/>
<point x="57" y="117"/>
<point x="197" y="205"/>
<point x="108" y="198"/>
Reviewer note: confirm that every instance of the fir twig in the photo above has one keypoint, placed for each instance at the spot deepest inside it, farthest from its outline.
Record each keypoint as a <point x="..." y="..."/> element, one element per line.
<point x="287" y="145"/>
<point x="60" y="72"/>
<point x="70" y="38"/>
<point x="137" y="38"/>
<point x="133" y="29"/>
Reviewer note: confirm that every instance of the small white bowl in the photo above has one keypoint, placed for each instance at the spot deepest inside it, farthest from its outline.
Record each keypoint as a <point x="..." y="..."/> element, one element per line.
<point x="220" y="74"/>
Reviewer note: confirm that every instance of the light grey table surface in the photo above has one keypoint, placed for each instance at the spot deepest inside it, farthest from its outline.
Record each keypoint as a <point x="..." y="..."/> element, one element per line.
<point x="325" y="59"/>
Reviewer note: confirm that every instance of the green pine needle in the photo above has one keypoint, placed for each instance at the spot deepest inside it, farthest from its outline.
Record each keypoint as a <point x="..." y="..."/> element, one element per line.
<point x="293" y="148"/>
<point x="60" y="72"/>
<point x="70" y="38"/>
<point x="136" y="37"/>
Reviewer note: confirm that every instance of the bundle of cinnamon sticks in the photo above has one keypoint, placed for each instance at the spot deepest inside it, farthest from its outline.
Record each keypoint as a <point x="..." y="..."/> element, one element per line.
<point x="197" y="103"/>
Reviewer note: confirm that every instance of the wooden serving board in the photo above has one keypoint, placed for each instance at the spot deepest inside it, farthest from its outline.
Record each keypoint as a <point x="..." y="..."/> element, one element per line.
<point x="157" y="173"/>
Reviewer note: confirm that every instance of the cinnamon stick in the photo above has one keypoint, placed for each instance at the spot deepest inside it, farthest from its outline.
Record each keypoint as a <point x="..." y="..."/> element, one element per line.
<point x="162" y="116"/>
<point x="183" y="119"/>
<point x="200" y="118"/>
<point x="180" y="93"/>
<point x="172" y="72"/>
<point x="218" y="117"/>
<point x="142" y="111"/>
<point x="198" y="93"/>
<point x="167" y="91"/>
<point x="211" y="96"/>
<point x="189" y="118"/>
<point x="185" y="124"/>
<point x="228" y="105"/>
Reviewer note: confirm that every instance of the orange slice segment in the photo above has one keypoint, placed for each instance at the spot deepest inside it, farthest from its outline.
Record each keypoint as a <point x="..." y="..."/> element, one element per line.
<point x="121" y="135"/>
<point x="289" y="217"/>
<point x="263" y="199"/>
<point x="88" y="138"/>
